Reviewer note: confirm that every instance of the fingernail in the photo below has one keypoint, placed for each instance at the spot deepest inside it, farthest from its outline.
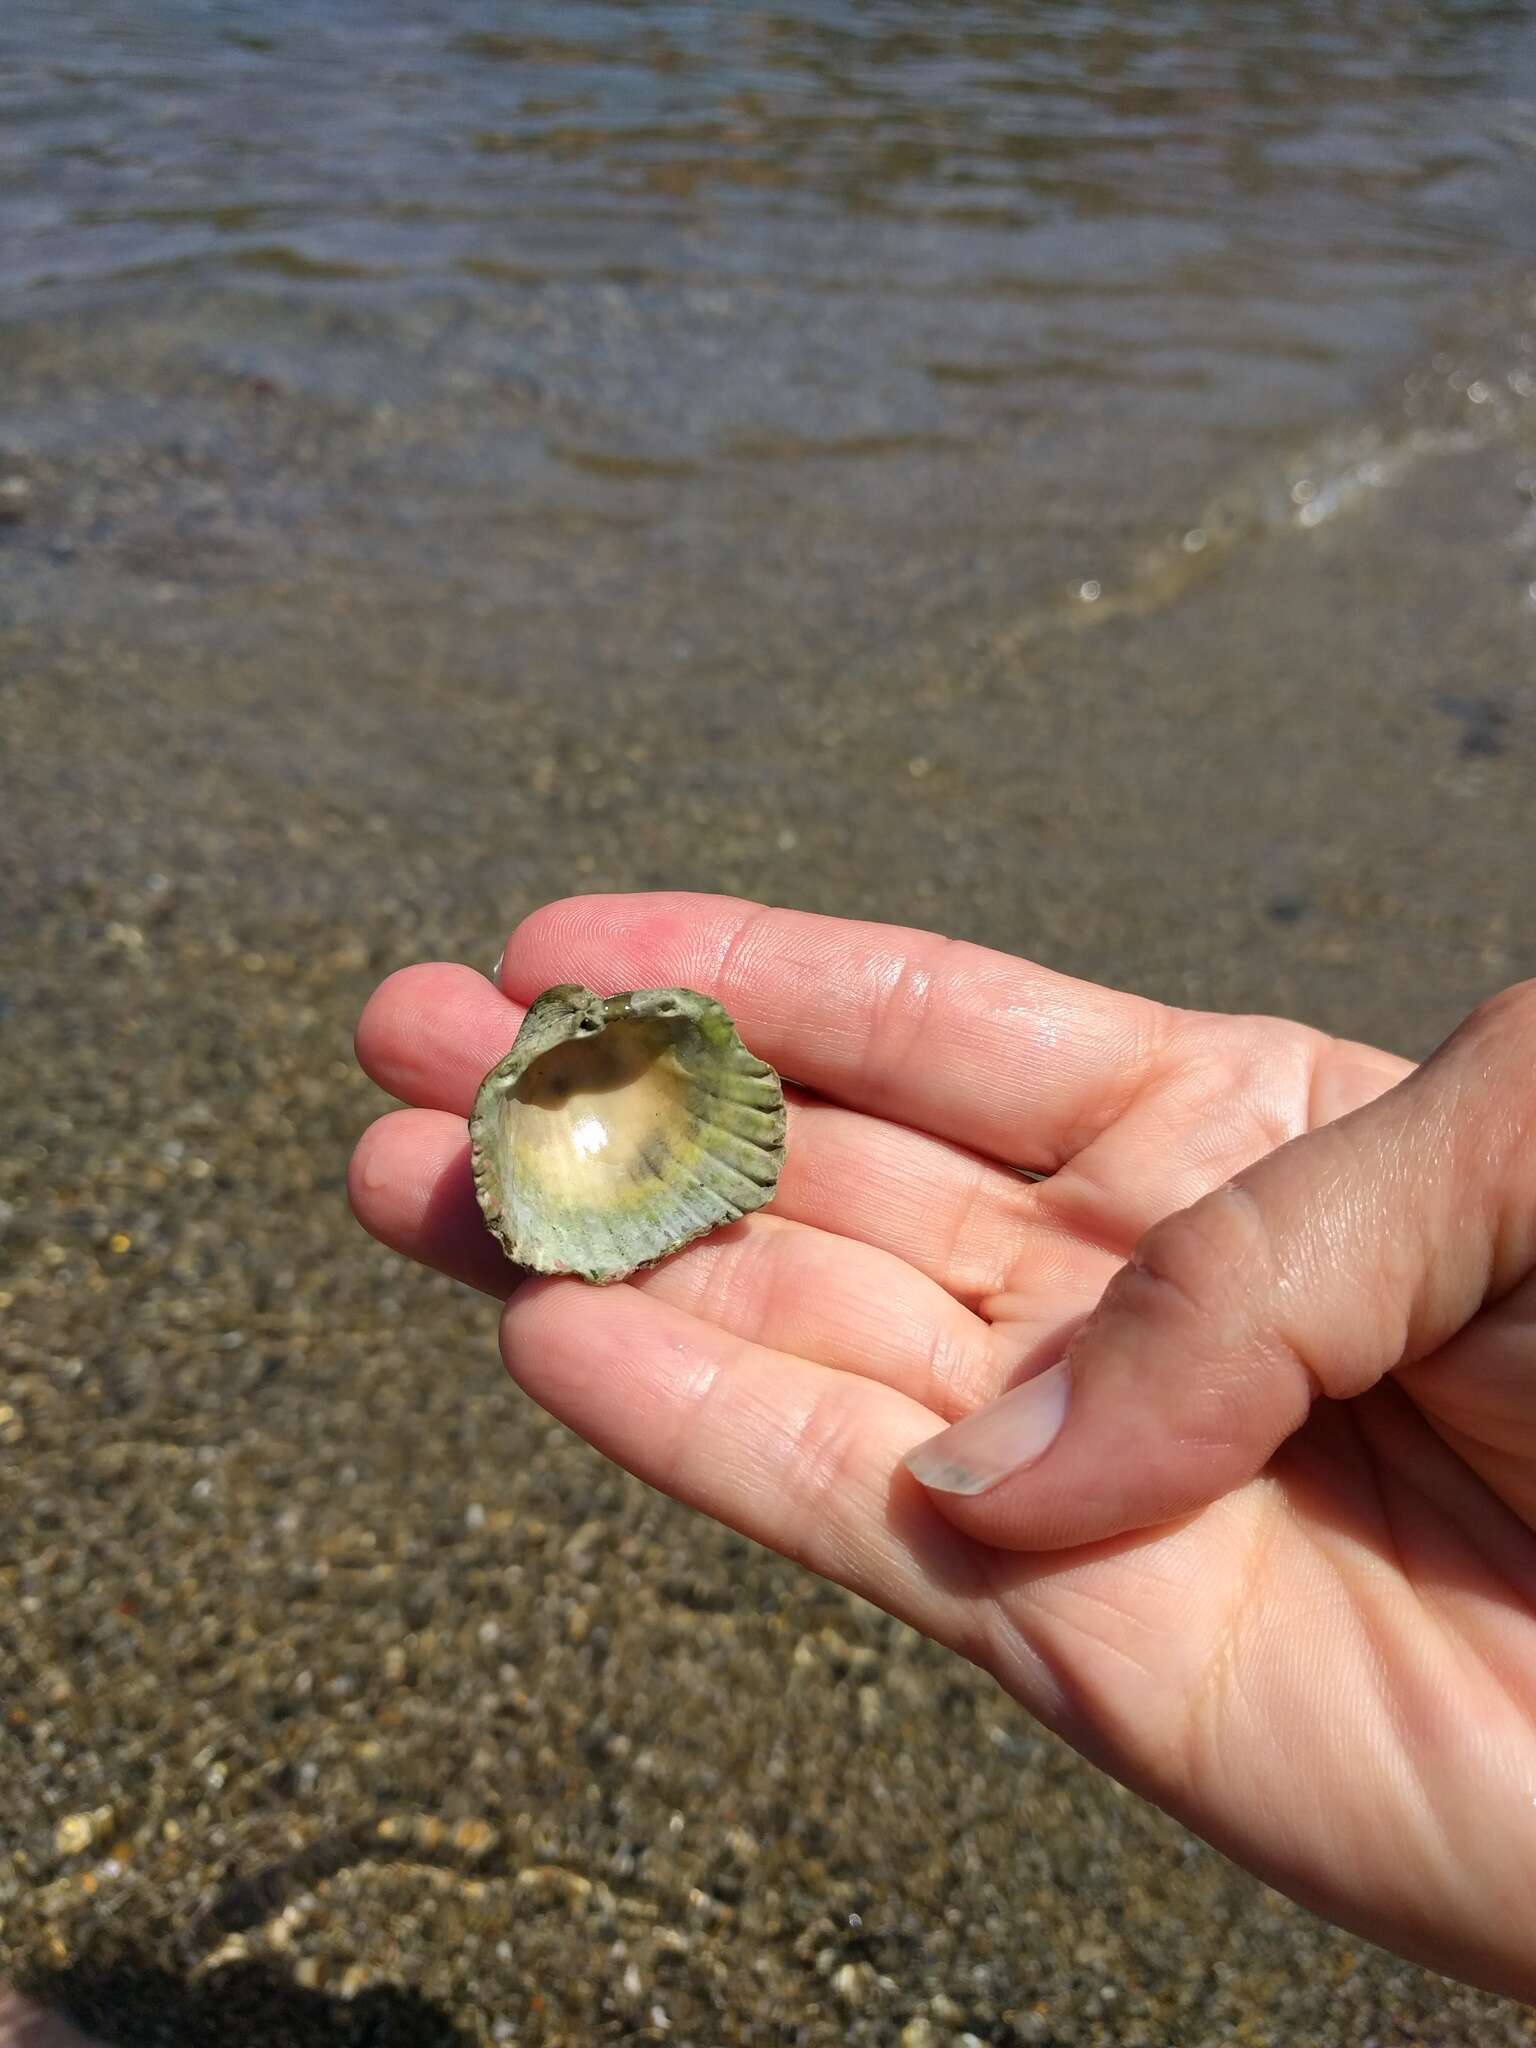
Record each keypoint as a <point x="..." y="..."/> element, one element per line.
<point x="1011" y="1432"/>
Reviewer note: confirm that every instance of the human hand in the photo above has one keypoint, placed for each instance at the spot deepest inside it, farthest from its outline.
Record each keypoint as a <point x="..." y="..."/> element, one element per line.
<point x="1263" y="1546"/>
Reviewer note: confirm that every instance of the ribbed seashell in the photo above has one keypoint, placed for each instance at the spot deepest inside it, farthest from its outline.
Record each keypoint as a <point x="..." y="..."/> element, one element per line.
<point x="619" y="1128"/>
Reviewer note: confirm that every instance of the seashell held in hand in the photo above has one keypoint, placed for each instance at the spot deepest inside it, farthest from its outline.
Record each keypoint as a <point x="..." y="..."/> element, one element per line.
<point x="619" y="1128"/>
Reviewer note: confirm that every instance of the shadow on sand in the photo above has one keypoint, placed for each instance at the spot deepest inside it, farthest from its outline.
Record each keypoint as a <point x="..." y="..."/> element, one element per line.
<point x="126" y="2001"/>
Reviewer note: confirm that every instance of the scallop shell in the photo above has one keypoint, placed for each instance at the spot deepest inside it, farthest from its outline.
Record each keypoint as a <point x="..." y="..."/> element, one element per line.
<point x="619" y="1128"/>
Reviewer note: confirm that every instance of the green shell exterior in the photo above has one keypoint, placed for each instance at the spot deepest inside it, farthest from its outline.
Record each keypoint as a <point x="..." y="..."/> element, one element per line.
<point x="703" y="1142"/>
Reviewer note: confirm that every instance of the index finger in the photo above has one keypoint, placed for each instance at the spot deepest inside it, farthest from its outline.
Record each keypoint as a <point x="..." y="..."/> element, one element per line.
<point x="1002" y="1055"/>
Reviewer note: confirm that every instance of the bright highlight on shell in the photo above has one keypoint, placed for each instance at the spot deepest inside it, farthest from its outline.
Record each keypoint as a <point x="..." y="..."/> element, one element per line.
<point x="620" y="1128"/>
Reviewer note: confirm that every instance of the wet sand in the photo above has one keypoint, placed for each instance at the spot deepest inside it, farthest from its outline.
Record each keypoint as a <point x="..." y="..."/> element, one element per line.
<point x="346" y="1699"/>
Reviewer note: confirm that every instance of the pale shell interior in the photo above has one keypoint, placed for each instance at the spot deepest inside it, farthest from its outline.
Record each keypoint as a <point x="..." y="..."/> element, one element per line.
<point x="613" y="1149"/>
<point x="591" y="1117"/>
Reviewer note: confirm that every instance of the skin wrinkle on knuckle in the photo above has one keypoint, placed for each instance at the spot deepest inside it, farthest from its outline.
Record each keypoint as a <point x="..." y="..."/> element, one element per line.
<point x="699" y="1279"/>
<point x="1191" y="1081"/>
<point x="955" y="1373"/>
<point x="961" y="1223"/>
<point x="1203" y="1257"/>
<point x="825" y="1448"/>
<point x="1512" y="1088"/>
<point x="1147" y="1058"/>
<point x="904" y="1001"/>
<point x="1272" y="1348"/>
<point x="1193" y="1283"/>
<point x="984" y="1219"/>
<point x="1364" y="1216"/>
<point x="731" y="964"/>
<point x="995" y="1636"/>
<point x="693" y="1395"/>
<point x="1492" y="1059"/>
<point x="1475" y="1132"/>
<point x="1077" y="1199"/>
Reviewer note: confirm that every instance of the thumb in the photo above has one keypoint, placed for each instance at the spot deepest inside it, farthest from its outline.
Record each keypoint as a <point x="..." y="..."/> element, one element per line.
<point x="1356" y="1249"/>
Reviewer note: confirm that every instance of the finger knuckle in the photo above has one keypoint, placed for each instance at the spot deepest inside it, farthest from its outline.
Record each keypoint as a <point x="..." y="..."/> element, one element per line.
<point x="1194" y="1265"/>
<point x="1503" y="1028"/>
<point x="1490" y="1064"/>
<point x="827" y="1448"/>
<point x="899" y="1020"/>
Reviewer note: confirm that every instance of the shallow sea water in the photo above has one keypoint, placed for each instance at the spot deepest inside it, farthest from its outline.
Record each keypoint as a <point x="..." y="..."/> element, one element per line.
<point x="995" y="294"/>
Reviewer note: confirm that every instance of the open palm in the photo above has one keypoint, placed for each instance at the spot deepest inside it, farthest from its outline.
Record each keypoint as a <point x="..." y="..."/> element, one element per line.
<point x="1329" y="1669"/>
